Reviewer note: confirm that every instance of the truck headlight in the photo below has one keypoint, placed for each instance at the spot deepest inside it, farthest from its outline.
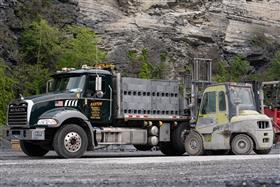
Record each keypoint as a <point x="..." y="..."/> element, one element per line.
<point x="47" y="122"/>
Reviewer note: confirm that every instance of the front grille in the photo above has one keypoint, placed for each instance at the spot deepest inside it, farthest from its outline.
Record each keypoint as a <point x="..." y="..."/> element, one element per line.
<point x="263" y="124"/>
<point x="17" y="115"/>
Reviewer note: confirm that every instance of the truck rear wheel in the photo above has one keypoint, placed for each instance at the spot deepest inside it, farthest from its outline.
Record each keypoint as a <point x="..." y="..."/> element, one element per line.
<point x="31" y="149"/>
<point x="176" y="146"/>
<point x="70" y="141"/>
<point x="242" y="144"/>
<point x="167" y="149"/>
<point x="262" y="152"/>
<point x="194" y="144"/>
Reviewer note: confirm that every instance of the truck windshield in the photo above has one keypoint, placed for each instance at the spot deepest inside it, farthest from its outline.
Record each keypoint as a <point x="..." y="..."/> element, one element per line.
<point x="68" y="83"/>
<point x="245" y="96"/>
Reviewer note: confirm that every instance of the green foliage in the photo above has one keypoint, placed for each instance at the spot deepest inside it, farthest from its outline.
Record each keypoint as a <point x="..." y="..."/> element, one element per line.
<point x="81" y="48"/>
<point x="222" y="73"/>
<point x="45" y="48"/>
<point x="6" y="91"/>
<point x="146" y="71"/>
<point x="274" y="70"/>
<point x="41" y="44"/>
<point x="237" y="71"/>
<point x="32" y="10"/>
<point x="31" y="79"/>
<point x="132" y="55"/>
<point x="141" y="66"/>
<point x="53" y="48"/>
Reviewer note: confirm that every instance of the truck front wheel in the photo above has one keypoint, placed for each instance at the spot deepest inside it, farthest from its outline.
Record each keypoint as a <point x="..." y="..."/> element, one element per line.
<point x="31" y="149"/>
<point x="242" y="144"/>
<point x="70" y="141"/>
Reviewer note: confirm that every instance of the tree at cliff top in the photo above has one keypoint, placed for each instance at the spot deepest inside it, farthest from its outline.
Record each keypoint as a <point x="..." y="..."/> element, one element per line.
<point x="40" y="43"/>
<point x="44" y="48"/>
<point x="80" y="47"/>
<point x="6" y="91"/>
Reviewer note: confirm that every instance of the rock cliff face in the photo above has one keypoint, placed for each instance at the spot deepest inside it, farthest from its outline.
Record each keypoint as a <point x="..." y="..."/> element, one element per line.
<point x="15" y="13"/>
<point x="179" y="29"/>
<point x="183" y="29"/>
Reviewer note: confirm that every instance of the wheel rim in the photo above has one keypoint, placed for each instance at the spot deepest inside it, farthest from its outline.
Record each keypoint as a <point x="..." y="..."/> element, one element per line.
<point x="193" y="144"/>
<point x="72" y="142"/>
<point x="242" y="146"/>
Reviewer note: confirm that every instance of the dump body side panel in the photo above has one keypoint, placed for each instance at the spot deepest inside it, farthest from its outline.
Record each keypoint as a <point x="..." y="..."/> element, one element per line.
<point x="150" y="99"/>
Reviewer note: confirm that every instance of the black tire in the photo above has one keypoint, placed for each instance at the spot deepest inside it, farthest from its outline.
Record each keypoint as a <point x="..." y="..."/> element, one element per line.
<point x="167" y="149"/>
<point x="143" y="147"/>
<point x="262" y="152"/>
<point x="242" y="144"/>
<point x="176" y="146"/>
<point x="178" y="138"/>
<point x="32" y="150"/>
<point x="70" y="141"/>
<point x="194" y="144"/>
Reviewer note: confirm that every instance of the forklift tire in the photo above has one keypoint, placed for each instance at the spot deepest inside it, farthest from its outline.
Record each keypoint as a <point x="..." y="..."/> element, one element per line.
<point x="143" y="147"/>
<point x="31" y="149"/>
<point x="194" y="144"/>
<point x="263" y="152"/>
<point x="242" y="144"/>
<point x="70" y="141"/>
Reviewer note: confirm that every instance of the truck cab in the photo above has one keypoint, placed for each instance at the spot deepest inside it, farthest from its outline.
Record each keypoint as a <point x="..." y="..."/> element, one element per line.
<point x="228" y="121"/>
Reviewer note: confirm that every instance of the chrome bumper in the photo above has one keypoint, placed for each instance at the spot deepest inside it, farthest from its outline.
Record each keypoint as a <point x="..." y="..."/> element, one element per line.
<point x="26" y="134"/>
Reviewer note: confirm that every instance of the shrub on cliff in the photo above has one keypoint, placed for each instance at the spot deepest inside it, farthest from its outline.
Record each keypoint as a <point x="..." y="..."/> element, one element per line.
<point x="274" y="70"/>
<point x="144" y="69"/>
<point x="237" y="70"/>
<point x="6" y="91"/>
<point x="31" y="79"/>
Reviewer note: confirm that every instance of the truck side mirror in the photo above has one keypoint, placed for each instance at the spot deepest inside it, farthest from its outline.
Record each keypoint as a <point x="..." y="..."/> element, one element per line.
<point x="237" y="102"/>
<point x="98" y="87"/>
<point x="49" y="85"/>
<point x="98" y="83"/>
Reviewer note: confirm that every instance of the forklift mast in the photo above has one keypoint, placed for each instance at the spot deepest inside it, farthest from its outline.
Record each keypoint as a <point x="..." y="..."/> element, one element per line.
<point x="201" y="78"/>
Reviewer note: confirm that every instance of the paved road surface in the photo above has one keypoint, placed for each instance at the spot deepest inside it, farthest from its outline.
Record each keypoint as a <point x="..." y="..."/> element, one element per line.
<point x="139" y="169"/>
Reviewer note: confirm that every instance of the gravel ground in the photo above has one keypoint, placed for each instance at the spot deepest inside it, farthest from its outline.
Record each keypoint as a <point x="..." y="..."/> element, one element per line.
<point x="139" y="169"/>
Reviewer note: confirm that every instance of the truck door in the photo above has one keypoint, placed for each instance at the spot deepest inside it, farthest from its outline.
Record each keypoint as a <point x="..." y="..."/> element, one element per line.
<point x="99" y="100"/>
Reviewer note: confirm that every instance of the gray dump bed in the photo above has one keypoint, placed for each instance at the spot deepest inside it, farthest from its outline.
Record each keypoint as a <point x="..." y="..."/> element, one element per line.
<point x="153" y="99"/>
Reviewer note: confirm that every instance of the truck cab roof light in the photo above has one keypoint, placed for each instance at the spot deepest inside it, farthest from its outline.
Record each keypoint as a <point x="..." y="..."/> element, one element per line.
<point x="67" y="69"/>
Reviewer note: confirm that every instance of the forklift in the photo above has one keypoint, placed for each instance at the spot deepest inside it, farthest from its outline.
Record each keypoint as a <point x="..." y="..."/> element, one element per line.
<point x="227" y="119"/>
